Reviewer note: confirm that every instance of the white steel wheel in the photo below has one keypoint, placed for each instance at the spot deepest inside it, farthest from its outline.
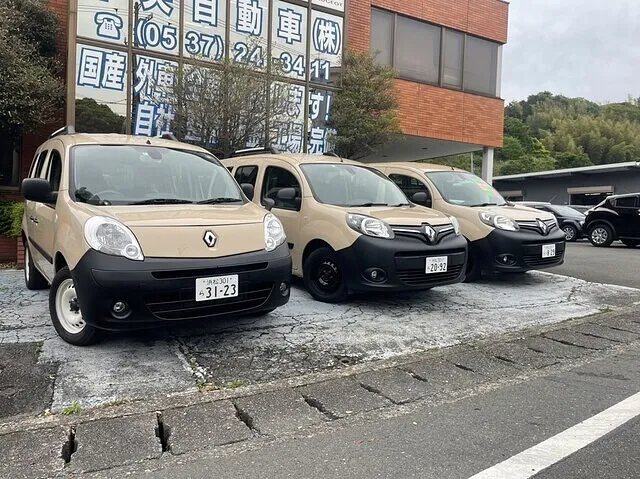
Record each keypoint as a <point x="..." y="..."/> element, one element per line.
<point x="68" y="309"/>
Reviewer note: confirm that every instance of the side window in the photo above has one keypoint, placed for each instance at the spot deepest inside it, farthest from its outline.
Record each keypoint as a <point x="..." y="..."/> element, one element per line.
<point x="627" y="202"/>
<point x="276" y="179"/>
<point x="409" y="185"/>
<point x="247" y="174"/>
<point x="39" y="165"/>
<point x="230" y="168"/>
<point x="55" y="170"/>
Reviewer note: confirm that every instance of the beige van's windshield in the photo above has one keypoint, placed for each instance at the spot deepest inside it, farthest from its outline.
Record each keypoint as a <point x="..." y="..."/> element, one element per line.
<point x="465" y="189"/>
<point x="138" y="174"/>
<point x="350" y="185"/>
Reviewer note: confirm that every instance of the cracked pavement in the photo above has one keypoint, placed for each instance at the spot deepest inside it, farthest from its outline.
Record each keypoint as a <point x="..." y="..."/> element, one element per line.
<point x="300" y="338"/>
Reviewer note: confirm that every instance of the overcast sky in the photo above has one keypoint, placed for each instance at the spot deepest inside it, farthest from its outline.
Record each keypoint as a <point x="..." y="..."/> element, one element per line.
<point x="587" y="48"/>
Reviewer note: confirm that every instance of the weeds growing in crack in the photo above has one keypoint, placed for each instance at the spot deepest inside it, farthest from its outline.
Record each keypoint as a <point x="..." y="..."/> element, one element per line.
<point x="74" y="408"/>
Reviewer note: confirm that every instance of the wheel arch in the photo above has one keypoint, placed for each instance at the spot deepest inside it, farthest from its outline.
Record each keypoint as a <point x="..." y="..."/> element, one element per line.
<point x="312" y="246"/>
<point x="601" y="221"/>
<point x="59" y="262"/>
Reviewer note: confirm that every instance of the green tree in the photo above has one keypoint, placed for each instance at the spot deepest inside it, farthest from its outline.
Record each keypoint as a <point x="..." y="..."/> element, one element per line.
<point x="93" y="117"/>
<point x="30" y="92"/>
<point x="364" y="111"/>
<point x="512" y="149"/>
<point x="572" y="160"/>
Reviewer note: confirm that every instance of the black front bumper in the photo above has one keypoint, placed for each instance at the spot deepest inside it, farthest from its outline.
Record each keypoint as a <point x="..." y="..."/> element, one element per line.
<point x="162" y="290"/>
<point x="403" y="261"/>
<point x="524" y="249"/>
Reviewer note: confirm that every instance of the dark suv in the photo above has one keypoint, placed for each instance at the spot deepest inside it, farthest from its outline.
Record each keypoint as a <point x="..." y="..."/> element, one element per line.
<point x="616" y="218"/>
<point x="570" y="220"/>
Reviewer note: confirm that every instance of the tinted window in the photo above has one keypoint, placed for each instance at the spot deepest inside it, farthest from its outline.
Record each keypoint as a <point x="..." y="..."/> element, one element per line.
<point x="382" y="35"/>
<point x="37" y="171"/>
<point x="627" y="202"/>
<point x="247" y="174"/>
<point x="409" y="185"/>
<point x="55" y="170"/>
<point x="276" y="179"/>
<point x="127" y="174"/>
<point x="481" y="66"/>
<point x="417" y="50"/>
<point x="453" y="54"/>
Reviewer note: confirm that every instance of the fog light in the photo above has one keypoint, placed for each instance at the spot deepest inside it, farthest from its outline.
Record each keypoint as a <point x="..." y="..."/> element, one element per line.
<point x="506" y="259"/>
<point x="120" y="310"/>
<point x="377" y="275"/>
<point x="284" y="289"/>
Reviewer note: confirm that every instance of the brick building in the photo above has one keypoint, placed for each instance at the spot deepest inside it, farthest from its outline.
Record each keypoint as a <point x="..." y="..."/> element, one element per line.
<point x="448" y="54"/>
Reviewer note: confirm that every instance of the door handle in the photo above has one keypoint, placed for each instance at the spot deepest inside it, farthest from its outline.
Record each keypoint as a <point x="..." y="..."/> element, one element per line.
<point x="34" y="219"/>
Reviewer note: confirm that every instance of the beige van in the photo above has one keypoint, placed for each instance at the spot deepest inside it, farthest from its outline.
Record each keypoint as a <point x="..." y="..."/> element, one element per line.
<point x="350" y="229"/>
<point x="133" y="232"/>
<point x="503" y="237"/>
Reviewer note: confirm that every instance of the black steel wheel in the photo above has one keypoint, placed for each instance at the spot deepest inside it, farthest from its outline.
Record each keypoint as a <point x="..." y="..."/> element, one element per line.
<point x="323" y="276"/>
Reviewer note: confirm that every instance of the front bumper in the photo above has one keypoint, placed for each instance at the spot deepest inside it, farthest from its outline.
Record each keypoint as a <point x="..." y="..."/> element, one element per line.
<point x="162" y="290"/>
<point x="523" y="249"/>
<point x="403" y="261"/>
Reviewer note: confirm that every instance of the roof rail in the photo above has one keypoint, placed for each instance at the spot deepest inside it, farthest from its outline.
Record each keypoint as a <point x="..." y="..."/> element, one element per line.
<point x="254" y="151"/>
<point x="331" y="153"/>
<point x="167" y="135"/>
<point x="65" y="130"/>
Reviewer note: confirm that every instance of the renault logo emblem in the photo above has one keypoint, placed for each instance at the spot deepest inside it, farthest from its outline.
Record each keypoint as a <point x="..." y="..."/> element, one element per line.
<point x="209" y="239"/>
<point x="543" y="227"/>
<point x="430" y="233"/>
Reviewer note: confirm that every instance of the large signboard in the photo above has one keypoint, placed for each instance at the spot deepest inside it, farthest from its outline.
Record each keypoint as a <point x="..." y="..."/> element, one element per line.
<point x="107" y="47"/>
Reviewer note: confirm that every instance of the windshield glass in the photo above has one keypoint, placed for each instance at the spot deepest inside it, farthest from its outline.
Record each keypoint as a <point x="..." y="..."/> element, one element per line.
<point x="138" y="174"/>
<point x="349" y="185"/>
<point x="465" y="189"/>
<point x="566" y="211"/>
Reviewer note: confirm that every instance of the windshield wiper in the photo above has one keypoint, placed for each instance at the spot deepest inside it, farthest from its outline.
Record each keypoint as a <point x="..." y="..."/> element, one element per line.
<point x="214" y="201"/>
<point x="162" y="201"/>
<point x="365" y="205"/>
<point x="487" y="204"/>
<point x="399" y="204"/>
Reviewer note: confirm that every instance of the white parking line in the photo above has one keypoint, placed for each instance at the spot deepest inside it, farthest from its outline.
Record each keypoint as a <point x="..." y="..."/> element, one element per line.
<point x="533" y="460"/>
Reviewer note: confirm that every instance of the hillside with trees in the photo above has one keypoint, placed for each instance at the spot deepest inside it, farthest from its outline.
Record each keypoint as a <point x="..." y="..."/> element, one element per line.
<point x="546" y="132"/>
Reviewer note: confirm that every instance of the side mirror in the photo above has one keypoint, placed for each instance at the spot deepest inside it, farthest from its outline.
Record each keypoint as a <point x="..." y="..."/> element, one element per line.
<point x="421" y="198"/>
<point x="248" y="190"/>
<point x="268" y="203"/>
<point x="38" y="190"/>
<point x="286" y="194"/>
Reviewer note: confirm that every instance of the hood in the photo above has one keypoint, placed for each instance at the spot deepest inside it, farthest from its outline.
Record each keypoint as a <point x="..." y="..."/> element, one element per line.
<point x="404" y="216"/>
<point x="517" y="212"/>
<point x="178" y="231"/>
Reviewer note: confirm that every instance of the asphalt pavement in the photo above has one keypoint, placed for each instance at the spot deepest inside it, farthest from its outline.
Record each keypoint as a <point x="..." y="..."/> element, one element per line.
<point x="616" y="264"/>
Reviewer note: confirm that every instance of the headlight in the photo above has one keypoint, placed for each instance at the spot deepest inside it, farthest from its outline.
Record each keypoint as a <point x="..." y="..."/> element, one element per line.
<point x="499" y="221"/>
<point x="112" y="237"/>
<point x="456" y="224"/>
<point x="274" y="234"/>
<point x="369" y="226"/>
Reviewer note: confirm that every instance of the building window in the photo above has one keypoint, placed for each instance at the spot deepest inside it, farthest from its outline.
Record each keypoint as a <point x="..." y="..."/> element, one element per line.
<point x="481" y="66"/>
<point x="9" y="163"/>
<point x="417" y="49"/>
<point x="453" y="58"/>
<point x="382" y="36"/>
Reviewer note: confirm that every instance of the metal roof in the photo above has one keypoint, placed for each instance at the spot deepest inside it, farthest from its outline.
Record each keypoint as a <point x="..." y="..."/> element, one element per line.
<point x="585" y="170"/>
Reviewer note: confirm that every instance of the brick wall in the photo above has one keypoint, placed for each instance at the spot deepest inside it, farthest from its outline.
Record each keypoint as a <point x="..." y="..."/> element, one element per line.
<point x="8" y="249"/>
<point x="435" y="112"/>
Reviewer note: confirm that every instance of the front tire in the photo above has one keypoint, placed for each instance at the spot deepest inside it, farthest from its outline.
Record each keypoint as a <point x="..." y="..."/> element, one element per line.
<point x="601" y="235"/>
<point x="323" y="276"/>
<point x="33" y="279"/>
<point x="65" y="312"/>
<point x="570" y="233"/>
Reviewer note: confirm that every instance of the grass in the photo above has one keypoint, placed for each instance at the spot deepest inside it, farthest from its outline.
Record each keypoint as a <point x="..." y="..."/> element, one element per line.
<point x="75" y="408"/>
<point x="234" y="384"/>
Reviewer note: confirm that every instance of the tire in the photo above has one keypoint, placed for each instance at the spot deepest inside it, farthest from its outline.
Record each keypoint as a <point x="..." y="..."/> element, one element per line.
<point x="474" y="273"/>
<point x="323" y="276"/>
<point x="33" y="279"/>
<point x="570" y="233"/>
<point x="601" y="235"/>
<point x="630" y="243"/>
<point x="66" y="319"/>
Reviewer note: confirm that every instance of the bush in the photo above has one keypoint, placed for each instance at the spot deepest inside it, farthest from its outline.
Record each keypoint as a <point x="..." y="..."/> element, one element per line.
<point x="11" y="218"/>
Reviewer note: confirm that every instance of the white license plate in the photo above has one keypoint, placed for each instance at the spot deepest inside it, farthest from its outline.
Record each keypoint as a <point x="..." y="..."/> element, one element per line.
<point x="216" y="287"/>
<point x="548" y="250"/>
<point x="437" y="264"/>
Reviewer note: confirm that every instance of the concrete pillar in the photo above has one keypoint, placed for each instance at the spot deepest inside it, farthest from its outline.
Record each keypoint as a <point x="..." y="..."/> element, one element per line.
<point x="487" y="164"/>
